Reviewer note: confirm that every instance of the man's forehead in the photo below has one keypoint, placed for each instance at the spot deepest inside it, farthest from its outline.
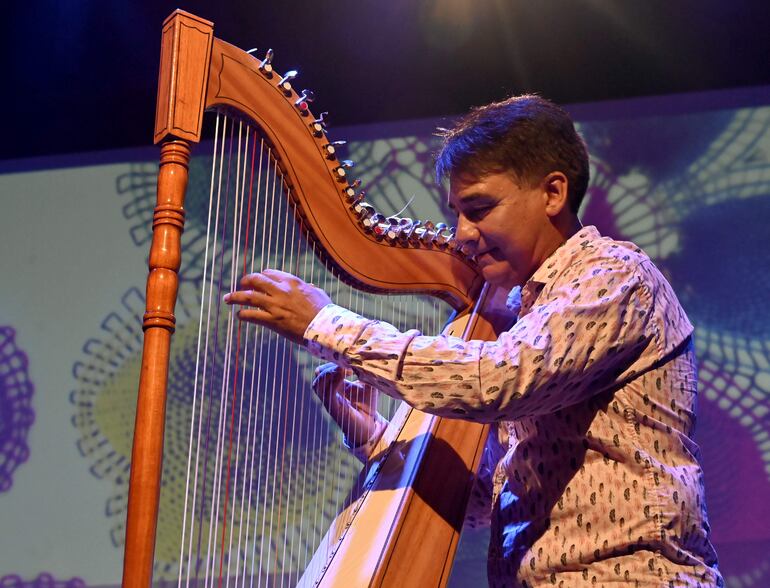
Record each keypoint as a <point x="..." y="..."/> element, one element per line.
<point x="466" y="188"/>
<point x="465" y="177"/>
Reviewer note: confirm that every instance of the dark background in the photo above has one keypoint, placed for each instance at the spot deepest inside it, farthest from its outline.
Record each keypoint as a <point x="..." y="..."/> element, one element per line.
<point x="81" y="76"/>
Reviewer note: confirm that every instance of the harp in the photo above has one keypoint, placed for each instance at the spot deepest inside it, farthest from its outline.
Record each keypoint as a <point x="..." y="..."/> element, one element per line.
<point x="395" y="512"/>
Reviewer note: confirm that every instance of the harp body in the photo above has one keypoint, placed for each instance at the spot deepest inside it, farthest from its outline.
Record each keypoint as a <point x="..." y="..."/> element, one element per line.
<point x="409" y="514"/>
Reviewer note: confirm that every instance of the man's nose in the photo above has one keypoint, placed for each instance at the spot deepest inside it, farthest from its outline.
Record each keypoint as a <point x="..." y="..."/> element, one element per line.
<point x="467" y="235"/>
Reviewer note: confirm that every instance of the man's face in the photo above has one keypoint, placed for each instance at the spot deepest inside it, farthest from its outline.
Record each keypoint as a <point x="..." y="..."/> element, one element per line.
<point x="503" y="223"/>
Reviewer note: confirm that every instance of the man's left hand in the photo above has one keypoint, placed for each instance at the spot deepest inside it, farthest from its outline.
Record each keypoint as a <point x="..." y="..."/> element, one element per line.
<point x="279" y="301"/>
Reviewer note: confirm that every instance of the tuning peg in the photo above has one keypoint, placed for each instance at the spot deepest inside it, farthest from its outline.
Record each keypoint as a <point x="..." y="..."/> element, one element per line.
<point x="331" y="148"/>
<point x="266" y="67"/>
<point x="285" y="82"/>
<point x="319" y="125"/>
<point x="405" y="227"/>
<point x="429" y="235"/>
<point x="394" y="229"/>
<point x="452" y="243"/>
<point x="341" y="171"/>
<point x="307" y="96"/>
<point x="350" y="191"/>
<point x="302" y="102"/>
<point x="423" y="232"/>
<point x="411" y="232"/>
<point x="358" y="200"/>
<point x="443" y="234"/>
<point x="364" y="210"/>
<point x="373" y="220"/>
<point x="384" y="229"/>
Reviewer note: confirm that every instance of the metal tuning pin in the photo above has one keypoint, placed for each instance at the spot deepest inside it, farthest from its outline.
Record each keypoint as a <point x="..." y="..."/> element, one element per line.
<point x="442" y="234"/>
<point x="383" y="228"/>
<point x="318" y="126"/>
<point x="411" y="233"/>
<point x="359" y="199"/>
<point x="361" y="207"/>
<point x="302" y="102"/>
<point x="370" y="222"/>
<point x="331" y="148"/>
<point x="452" y="242"/>
<point x="266" y="66"/>
<point x="350" y="191"/>
<point x="425" y="233"/>
<point x="394" y="228"/>
<point x="366" y="211"/>
<point x="340" y="171"/>
<point x="404" y="227"/>
<point x="285" y="82"/>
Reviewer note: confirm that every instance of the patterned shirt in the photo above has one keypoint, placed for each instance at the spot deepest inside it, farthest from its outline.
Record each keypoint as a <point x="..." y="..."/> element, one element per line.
<point x="590" y="466"/>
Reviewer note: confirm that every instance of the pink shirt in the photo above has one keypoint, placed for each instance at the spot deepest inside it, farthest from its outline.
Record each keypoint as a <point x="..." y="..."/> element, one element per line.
<point x="591" y="469"/>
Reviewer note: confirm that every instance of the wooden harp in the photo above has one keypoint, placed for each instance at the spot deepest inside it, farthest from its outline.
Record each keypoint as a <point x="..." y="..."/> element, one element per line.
<point x="398" y="513"/>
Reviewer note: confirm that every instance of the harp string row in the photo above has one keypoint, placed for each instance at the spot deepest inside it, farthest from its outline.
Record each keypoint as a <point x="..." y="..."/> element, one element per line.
<point x="265" y="472"/>
<point x="195" y="400"/>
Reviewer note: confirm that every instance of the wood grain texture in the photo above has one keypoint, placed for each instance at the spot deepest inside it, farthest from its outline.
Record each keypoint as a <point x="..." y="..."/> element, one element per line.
<point x="408" y="519"/>
<point x="407" y="526"/>
<point x="361" y="259"/>
<point x="158" y="325"/>
<point x="185" y="51"/>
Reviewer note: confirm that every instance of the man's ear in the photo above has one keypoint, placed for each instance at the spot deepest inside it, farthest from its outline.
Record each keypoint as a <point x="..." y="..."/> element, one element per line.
<point x="555" y="191"/>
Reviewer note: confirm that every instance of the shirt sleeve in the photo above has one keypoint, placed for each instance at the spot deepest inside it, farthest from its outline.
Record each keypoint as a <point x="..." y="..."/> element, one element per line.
<point x="587" y="330"/>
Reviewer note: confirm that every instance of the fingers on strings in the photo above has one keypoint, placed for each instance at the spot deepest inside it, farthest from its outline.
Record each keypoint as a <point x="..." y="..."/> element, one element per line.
<point x="265" y="281"/>
<point x="255" y="299"/>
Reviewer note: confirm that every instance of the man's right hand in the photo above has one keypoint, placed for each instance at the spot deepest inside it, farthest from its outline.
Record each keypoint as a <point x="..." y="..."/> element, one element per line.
<point x="352" y="405"/>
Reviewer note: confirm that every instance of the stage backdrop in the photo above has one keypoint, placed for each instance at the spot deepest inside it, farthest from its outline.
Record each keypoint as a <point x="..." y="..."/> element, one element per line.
<point x="687" y="178"/>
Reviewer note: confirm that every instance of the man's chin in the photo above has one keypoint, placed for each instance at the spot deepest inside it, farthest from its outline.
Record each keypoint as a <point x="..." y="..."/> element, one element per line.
<point x="500" y="275"/>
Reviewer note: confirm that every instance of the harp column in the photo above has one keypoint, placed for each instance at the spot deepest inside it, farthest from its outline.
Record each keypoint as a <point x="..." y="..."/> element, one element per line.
<point x="178" y="120"/>
<point x="158" y="325"/>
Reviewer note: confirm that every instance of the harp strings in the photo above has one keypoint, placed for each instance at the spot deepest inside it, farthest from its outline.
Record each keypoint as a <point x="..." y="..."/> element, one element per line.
<point x="265" y="472"/>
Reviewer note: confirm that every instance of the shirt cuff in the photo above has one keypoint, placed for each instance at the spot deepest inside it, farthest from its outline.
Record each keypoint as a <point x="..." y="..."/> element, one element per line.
<point x="332" y="331"/>
<point x="365" y="451"/>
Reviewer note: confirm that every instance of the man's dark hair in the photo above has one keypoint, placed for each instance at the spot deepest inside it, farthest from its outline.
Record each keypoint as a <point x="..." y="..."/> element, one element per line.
<point x="526" y="135"/>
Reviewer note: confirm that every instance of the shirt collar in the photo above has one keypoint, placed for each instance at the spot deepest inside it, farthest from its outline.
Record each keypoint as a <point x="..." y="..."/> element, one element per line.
<point x="554" y="264"/>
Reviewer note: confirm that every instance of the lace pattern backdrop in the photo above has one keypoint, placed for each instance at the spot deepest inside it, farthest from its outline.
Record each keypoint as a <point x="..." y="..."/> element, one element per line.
<point x="692" y="190"/>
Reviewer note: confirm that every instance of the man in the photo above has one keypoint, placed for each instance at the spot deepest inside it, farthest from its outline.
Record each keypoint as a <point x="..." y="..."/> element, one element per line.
<point x="593" y="476"/>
